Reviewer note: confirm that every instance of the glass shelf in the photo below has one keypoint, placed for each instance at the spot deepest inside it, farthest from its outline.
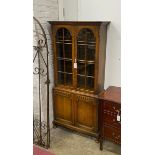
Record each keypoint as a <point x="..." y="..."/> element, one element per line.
<point x="92" y="42"/>
<point x="64" y="72"/>
<point x="86" y="61"/>
<point x="63" y="43"/>
<point x="86" y="45"/>
<point x="86" y="76"/>
<point x="61" y="58"/>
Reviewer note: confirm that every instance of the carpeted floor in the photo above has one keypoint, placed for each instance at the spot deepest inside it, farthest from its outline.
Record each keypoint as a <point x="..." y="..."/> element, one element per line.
<point x="37" y="150"/>
<point x="65" y="142"/>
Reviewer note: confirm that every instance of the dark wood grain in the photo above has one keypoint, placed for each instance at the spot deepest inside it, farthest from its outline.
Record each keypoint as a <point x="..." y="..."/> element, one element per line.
<point x="109" y="110"/>
<point x="79" y="22"/>
<point x="99" y="30"/>
<point x="75" y="107"/>
<point x="111" y="94"/>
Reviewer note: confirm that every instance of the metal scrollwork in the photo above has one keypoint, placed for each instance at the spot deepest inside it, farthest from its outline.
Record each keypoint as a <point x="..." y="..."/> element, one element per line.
<point x="41" y="42"/>
<point x="40" y="71"/>
<point x="37" y="136"/>
<point x="41" y="129"/>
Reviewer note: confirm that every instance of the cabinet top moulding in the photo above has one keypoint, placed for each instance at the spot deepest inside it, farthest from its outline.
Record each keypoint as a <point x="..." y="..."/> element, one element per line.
<point x="79" y="22"/>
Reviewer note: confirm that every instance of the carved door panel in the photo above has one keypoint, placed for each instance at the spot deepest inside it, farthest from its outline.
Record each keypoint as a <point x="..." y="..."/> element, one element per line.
<point x="63" y="107"/>
<point x="86" y="113"/>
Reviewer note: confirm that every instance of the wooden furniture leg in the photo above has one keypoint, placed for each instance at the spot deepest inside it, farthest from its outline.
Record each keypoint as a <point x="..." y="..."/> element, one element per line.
<point x="101" y="143"/>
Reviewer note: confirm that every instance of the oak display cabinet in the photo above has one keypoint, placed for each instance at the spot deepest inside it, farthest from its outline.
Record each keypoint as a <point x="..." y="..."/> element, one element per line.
<point x="79" y="64"/>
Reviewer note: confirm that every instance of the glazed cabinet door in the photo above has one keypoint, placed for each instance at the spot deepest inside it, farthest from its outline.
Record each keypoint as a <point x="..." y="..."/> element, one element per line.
<point x="63" y="107"/>
<point x="63" y="55"/>
<point x="76" y="57"/>
<point x="86" y="113"/>
<point x="86" y="54"/>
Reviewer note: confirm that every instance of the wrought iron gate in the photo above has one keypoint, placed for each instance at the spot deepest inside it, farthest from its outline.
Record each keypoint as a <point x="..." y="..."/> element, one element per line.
<point x="41" y="127"/>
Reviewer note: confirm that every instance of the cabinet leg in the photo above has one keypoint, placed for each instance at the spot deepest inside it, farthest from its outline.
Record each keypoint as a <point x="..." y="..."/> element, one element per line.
<point x="54" y="125"/>
<point x="97" y="140"/>
<point x="101" y="143"/>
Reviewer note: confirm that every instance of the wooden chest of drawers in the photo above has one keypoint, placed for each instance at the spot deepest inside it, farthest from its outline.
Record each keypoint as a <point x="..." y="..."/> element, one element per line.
<point x="110" y="115"/>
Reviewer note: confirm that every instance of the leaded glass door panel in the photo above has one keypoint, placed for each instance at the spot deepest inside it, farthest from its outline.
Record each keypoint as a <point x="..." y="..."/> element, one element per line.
<point x="64" y="57"/>
<point x="86" y="47"/>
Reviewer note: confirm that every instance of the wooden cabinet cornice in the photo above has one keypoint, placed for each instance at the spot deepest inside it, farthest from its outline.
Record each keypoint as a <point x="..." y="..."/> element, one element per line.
<point x="79" y="65"/>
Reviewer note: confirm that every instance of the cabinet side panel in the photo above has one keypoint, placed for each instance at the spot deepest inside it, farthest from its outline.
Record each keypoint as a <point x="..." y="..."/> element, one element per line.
<point x="54" y="53"/>
<point x="102" y="57"/>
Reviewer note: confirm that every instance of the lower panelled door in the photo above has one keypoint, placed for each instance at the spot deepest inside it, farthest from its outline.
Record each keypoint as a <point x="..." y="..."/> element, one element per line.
<point x="63" y="107"/>
<point x="86" y="113"/>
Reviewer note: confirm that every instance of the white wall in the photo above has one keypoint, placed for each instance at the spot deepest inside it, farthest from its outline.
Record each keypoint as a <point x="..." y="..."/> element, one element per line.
<point x="61" y="6"/>
<point x="71" y="10"/>
<point x="105" y="10"/>
<point x="110" y="10"/>
<point x="45" y="10"/>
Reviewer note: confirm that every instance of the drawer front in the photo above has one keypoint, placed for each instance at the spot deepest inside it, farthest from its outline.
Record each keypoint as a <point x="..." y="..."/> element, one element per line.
<point x="112" y="120"/>
<point x="112" y="134"/>
<point x="112" y="108"/>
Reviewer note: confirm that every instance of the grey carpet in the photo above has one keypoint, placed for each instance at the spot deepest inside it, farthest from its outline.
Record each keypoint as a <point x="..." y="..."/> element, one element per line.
<point x="66" y="142"/>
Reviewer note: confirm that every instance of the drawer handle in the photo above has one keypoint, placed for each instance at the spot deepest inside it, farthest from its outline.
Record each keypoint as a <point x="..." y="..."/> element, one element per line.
<point x="113" y="120"/>
<point x="117" y="137"/>
<point x="118" y="111"/>
<point x="118" y="118"/>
